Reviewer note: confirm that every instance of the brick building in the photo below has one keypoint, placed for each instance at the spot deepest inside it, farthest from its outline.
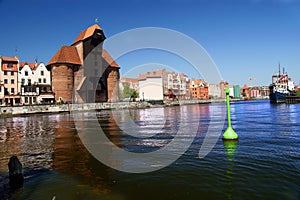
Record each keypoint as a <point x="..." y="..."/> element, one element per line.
<point x="199" y="89"/>
<point x="85" y="72"/>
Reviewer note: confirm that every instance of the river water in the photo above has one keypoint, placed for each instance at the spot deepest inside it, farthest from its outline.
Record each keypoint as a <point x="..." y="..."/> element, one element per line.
<point x="263" y="164"/>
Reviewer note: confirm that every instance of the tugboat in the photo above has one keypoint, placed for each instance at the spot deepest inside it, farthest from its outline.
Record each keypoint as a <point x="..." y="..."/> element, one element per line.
<point x="281" y="87"/>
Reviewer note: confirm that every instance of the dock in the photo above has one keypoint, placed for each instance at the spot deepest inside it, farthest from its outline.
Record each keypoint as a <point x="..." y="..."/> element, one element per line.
<point x="292" y="99"/>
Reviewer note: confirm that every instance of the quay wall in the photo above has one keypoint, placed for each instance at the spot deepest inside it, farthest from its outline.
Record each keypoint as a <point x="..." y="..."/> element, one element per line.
<point x="56" y="108"/>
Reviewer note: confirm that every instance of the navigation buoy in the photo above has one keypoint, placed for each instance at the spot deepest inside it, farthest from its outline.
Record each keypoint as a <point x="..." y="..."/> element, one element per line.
<point x="229" y="134"/>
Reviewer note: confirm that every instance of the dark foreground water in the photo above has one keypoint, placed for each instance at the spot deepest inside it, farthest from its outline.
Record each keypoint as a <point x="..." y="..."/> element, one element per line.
<point x="264" y="164"/>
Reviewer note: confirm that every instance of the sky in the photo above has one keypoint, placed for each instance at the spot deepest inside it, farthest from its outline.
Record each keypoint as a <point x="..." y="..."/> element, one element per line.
<point x="244" y="38"/>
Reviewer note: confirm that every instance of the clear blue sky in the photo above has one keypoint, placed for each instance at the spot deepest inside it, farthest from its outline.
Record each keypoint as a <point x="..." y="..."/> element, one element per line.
<point x="245" y="38"/>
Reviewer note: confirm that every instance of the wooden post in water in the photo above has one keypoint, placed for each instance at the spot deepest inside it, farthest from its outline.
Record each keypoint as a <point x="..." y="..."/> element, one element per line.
<point x="15" y="173"/>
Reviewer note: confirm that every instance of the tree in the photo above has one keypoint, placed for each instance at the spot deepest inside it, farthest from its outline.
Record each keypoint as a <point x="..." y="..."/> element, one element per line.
<point x="298" y="93"/>
<point x="129" y="92"/>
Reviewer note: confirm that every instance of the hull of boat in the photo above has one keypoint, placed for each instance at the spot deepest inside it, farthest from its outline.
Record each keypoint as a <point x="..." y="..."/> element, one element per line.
<point x="277" y="97"/>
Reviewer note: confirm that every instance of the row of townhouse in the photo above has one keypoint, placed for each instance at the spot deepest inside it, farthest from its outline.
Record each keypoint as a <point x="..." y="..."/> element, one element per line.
<point x="163" y="85"/>
<point x="255" y="92"/>
<point x="24" y="83"/>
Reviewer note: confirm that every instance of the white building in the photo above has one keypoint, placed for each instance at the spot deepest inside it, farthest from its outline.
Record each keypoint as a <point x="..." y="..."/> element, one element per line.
<point x="35" y="83"/>
<point x="151" y="88"/>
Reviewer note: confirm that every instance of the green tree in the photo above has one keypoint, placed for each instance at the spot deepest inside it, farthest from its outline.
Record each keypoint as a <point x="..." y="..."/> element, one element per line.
<point x="129" y="92"/>
<point x="298" y="93"/>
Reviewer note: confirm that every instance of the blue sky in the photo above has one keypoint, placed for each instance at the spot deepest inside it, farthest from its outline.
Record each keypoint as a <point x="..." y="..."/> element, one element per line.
<point x="245" y="38"/>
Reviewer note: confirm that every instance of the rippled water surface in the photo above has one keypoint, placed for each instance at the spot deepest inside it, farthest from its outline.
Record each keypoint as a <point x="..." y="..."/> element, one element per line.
<point x="264" y="164"/>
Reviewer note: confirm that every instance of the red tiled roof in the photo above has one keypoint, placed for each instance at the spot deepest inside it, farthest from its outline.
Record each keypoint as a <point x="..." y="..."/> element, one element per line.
<point x="154" y="74"/>
<point x="12" y="67"/>
<point x="129" y="80"/>
<point x="33" y="66"/>
<point x="109" y="59"/>
<point x="86" y="33"/>
<point x="245" y="87"/>
<point x="67" y="55"/>
<point x="10" y="59"/>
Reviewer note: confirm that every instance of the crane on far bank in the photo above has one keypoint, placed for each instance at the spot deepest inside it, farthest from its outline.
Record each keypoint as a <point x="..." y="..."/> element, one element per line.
<point x="251" y="79"/>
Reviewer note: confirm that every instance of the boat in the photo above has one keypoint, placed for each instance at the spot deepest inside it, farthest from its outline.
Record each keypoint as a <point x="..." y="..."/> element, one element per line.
<point x="281" y="87"/>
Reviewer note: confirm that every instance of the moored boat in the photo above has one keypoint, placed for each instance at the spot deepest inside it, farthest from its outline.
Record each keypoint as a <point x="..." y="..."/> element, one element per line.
<point x="281" y="87"/>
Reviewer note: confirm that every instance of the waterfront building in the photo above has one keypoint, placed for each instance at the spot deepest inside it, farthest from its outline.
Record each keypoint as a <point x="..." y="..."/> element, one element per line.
<point x="151" y="85"/>
<point x="255" y="92"/>
<point x="217" y="91"/>
<point x="236" y="92"/>
<point x="161" y="84"/>
<point x="9" y="81"/>
<point x="35" y="84"/>
<point x="297" y="88"/>
<point x="198" y="89"/>
<point x="176" y="83"/>
<point x="85" y="72"/>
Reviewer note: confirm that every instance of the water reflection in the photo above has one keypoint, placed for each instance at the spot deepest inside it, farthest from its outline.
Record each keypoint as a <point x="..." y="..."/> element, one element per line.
<point x="264" y="164"/>
<point x="230" y="147"/>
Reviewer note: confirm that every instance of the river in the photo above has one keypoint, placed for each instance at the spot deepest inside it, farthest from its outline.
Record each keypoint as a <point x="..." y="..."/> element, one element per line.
<point x="263" y="164"/>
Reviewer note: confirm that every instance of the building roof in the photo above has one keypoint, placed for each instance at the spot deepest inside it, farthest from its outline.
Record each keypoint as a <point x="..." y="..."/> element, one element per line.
<point x="66" y="55"/>
<point x="153" y="74"/>
<point x="129" y="80"/>
<point x="87" y="33"/>
<point x="9" y="59"/>
<point x="111" y="62"/>
<point x="33" y="66"/>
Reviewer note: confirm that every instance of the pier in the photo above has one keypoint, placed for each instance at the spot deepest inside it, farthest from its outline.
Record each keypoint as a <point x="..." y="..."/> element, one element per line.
<point x="292" y="99"/>
<point x="7" y="111"/>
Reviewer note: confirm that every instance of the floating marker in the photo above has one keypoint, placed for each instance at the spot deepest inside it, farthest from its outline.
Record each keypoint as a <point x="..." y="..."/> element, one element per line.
<point x="229" y="134"/>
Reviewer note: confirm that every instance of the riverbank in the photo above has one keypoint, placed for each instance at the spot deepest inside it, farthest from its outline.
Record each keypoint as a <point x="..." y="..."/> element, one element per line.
<point x="7" y="111"/>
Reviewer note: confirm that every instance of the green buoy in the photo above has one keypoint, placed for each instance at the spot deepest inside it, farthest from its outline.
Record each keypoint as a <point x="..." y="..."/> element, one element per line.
<point x="229" y="134"/>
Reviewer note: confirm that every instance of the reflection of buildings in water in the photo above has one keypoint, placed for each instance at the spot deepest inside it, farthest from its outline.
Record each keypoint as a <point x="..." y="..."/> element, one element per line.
<point x="29" y="138"/>
<point x="71" y="157"/>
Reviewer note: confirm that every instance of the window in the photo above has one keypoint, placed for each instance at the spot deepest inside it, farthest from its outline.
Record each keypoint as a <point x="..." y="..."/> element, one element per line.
<point x="26" y="99"/>
<point x="12" y="90"/>
<point x="42" y="73"/>
<point x="5" y="72"/>
<point x="69" y="86"/>
<point x="12" y="73"/>
<point x="5" y="81"/>
<point x="44" y="80"/>
<point x="22" y="81"/>
<point x="12" y="81"/>
<point x="69" y="77"/>
<point x="40" y="80"/>
<point x="9" y="65"/>
<point x="26" y="73"/>
<point x="34" y="99"/>
<point x="29" y="81"/>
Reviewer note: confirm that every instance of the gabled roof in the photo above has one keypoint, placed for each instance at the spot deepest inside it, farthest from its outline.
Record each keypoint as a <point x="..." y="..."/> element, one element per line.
<point x="109" y="59"/>
<point x="9" y="59"/>
<point x="66" y="55"/>
<point x="87" y="33"/>
<point x="33" y="66"/>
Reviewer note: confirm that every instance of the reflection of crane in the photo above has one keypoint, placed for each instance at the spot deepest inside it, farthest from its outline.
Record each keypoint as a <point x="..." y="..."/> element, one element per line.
<point x="251" y="79"/>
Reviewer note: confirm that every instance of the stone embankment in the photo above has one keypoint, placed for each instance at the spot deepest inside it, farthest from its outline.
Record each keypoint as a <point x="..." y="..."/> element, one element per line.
<point x="6" y="111"/>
